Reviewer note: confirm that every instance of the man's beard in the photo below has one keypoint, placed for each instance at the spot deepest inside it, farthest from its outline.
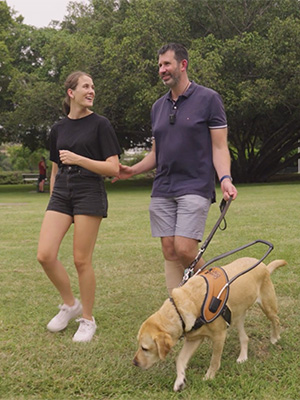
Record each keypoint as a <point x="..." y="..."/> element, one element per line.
<point x="173" y="81"/>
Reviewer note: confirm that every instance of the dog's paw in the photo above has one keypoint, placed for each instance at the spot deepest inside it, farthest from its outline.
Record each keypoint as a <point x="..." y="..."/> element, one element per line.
<point x="209" y="375"/>
<point x="275" y="339"/>
<point x="241" y="359"/>
<point x="179" y="384"/>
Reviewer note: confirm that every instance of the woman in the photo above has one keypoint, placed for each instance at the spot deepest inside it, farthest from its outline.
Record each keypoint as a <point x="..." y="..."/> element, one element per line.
<point x="42" y="174"/>
<point x="83" y="148"/>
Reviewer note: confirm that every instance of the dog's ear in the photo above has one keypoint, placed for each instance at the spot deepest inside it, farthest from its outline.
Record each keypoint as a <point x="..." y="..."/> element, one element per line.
<point x="164" y="344"/>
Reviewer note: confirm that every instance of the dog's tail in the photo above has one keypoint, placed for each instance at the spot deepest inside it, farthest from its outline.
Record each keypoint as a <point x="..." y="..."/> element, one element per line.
<point x="275" y="264"/>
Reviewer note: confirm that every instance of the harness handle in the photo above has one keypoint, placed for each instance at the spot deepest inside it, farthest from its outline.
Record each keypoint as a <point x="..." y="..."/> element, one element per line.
<point x="245" y="246"/>
<point x="270" y="248"/>
<point x="215" y="302"/>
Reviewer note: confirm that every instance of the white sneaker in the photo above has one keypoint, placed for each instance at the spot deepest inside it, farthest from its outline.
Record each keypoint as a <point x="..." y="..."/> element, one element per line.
<point x="61" y="320"/>
<point x="86" y="330"/>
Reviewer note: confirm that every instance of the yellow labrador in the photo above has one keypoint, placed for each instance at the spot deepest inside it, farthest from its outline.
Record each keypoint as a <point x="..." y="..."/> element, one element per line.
<point x="161" y="331"/>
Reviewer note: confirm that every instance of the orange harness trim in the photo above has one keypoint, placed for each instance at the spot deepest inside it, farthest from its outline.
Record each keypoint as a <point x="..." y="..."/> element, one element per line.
<point x="215" y="299"/>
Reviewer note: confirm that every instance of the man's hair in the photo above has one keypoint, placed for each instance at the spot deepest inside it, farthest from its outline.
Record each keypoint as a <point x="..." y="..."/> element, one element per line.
<point x="180" y="51"/>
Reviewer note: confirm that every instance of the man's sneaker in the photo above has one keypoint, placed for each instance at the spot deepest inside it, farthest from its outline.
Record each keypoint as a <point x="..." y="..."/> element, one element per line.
<point x="86" y="330"/>
<point x="61" y="320"/>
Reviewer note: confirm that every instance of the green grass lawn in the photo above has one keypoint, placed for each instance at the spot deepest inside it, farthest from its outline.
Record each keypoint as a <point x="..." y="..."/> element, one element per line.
<point x="36" y="364"/>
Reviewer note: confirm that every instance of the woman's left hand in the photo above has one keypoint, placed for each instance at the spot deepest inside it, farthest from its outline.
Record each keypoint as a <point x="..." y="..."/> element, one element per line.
<point x="67" y="157"/>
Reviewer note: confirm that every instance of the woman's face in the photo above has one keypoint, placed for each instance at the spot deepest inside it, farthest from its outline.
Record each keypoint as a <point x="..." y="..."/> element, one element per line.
<point x="84" y="93"/>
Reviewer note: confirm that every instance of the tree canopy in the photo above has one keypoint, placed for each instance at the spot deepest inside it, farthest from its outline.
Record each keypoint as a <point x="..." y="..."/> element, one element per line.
<point x="247" y="50"/>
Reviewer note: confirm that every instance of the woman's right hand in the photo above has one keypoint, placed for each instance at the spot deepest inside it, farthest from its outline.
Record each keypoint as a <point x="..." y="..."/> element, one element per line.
<point x="125" y="172"/>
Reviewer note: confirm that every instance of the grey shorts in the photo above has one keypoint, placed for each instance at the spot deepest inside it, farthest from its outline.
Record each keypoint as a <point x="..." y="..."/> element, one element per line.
<point x="179" y="216"/>
<point x="74" y="193"/>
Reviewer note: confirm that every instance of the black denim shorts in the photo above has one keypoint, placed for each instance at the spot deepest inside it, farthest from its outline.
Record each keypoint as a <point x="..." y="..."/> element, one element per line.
<point x="42" y="177"/>
<point x="78" y="193"/>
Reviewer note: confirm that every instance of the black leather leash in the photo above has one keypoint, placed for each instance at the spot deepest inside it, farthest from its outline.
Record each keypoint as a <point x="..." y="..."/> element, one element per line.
<point x="189" y="271"/>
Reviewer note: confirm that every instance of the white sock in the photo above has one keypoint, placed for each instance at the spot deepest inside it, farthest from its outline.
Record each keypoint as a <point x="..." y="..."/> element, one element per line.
<point x="174" y="271"/>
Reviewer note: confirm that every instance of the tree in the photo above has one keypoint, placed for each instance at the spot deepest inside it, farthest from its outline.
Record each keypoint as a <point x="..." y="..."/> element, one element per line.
<point x="258" y="78"/>
<point x="6" y="66"/>
<point x="248" y="50"/>
<point x="129" y="74"/>
<point x="230" y="18"/>
<point x="42" y="58"/>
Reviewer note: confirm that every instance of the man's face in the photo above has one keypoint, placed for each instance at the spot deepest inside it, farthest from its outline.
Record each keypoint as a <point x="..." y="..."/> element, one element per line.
<point x="169" y="69"/>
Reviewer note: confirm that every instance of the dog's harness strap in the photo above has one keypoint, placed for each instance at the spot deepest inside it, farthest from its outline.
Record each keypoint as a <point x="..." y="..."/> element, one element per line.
<point x="198" y="323"/>
<point x="226" y="314"/>
<point x="181" y="319"/>
<point x="215" y="300"/>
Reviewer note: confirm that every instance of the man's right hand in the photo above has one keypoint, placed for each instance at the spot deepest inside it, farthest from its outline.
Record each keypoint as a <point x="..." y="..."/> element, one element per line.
<point x="124" y="173"/>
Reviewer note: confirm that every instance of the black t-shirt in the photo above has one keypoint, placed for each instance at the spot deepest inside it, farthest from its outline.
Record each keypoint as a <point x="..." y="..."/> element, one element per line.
<point x="92" y="136"/>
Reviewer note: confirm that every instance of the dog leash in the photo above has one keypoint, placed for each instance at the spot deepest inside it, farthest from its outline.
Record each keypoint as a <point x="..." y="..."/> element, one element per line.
<point x="189" y="271"/>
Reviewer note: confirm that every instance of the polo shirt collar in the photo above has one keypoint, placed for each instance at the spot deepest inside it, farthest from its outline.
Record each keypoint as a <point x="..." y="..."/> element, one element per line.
<point x="186" y="94"/>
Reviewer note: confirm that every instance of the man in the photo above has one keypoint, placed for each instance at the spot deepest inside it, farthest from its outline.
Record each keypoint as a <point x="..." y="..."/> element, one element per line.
<point x="189" y="145"/>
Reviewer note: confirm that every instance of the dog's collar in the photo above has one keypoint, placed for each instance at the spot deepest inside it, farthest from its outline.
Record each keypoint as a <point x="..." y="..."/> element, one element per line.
<point x="181" y="319"/>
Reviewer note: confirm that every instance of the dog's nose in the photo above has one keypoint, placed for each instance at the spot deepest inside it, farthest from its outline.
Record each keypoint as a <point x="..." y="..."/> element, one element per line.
<point x="135" y="362"/>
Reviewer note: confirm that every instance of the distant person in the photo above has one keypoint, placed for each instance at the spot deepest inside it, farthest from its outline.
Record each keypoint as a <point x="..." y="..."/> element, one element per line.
<point x="189" y="130"/>
<point x="42" y="174"/>
<point x="83" y="150"/>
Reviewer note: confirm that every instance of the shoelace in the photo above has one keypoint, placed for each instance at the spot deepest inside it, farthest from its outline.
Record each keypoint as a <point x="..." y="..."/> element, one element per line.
<point x="63" y="307"/>
<point x="85" y="324"/>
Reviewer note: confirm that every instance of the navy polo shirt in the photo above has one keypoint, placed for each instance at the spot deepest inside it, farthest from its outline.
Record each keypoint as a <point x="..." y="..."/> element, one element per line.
<point x="184" y="148"/>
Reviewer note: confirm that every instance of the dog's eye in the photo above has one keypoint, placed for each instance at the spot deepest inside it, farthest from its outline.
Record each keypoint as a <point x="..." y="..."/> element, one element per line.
<point x="144" y="349"/>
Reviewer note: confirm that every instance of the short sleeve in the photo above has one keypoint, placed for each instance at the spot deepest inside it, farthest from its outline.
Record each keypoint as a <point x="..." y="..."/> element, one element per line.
<point x="108" y="141"/>
<point x="217" y="117"/>
<point x="53" y="148"/>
